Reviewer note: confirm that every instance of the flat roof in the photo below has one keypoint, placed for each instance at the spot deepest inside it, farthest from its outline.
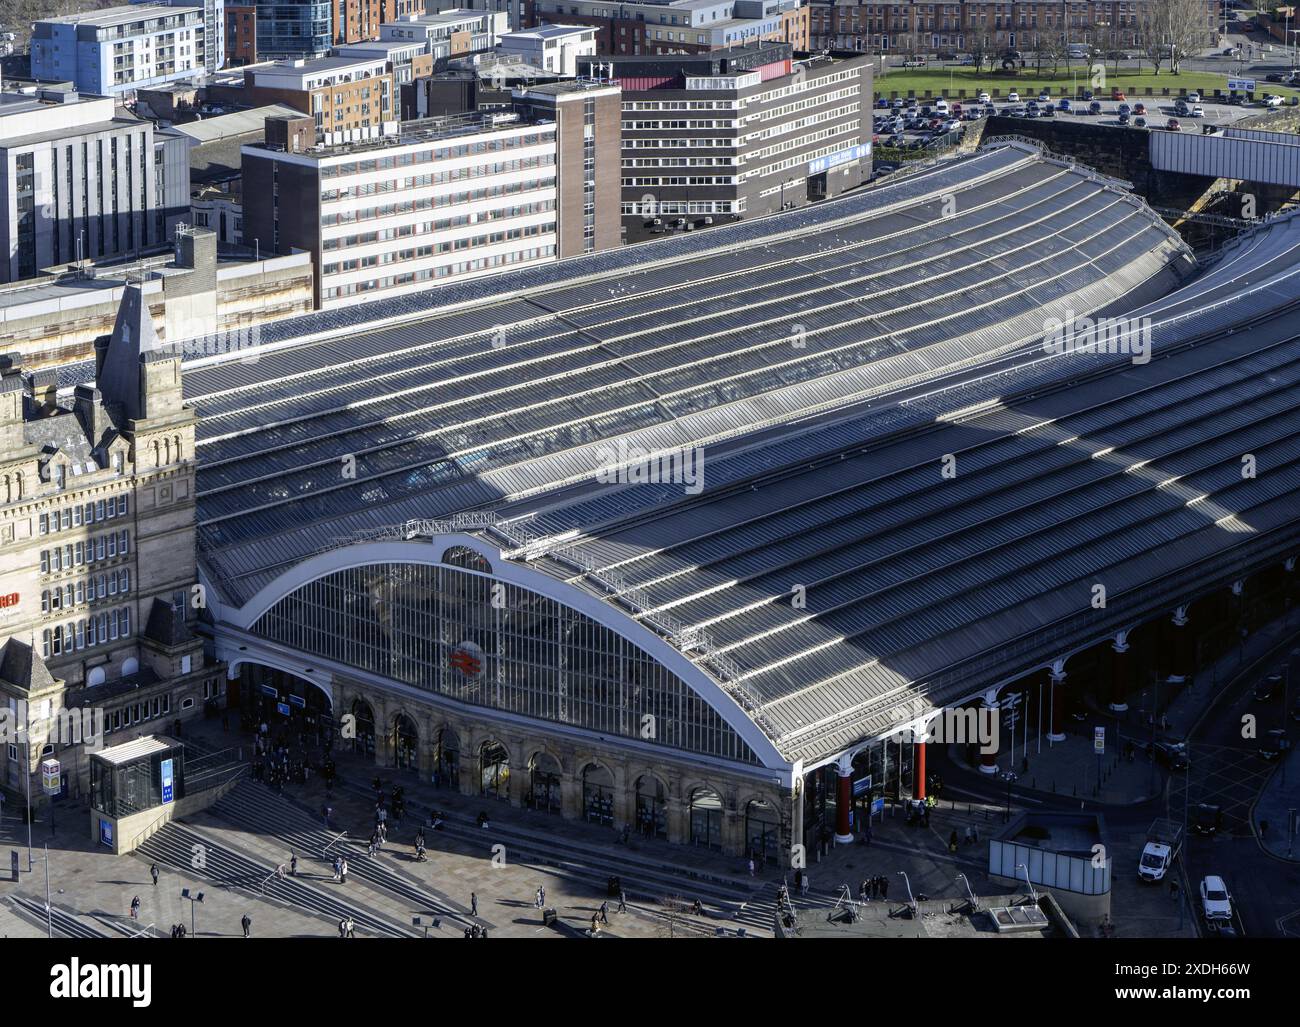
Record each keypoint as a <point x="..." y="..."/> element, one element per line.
<point x="128" y="752"/>
<point x="549" y="31"/>
<point x="120" y="15"/>
<point x="239" y="123"/>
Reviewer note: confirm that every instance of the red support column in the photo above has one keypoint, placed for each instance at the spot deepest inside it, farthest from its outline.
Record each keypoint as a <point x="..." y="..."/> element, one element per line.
<point x="1057" y="685"/>
<point x="844" y="801"/>
<point x="918" y="769"/>
<point x="1120" y="669"/>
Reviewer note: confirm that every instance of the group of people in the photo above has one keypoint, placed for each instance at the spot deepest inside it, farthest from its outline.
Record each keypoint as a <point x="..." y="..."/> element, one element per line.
<point x="347" y="927"/>
<point x="873" y="888"/>
<point x="340" y="870"/>
<point x="179" y="931"/>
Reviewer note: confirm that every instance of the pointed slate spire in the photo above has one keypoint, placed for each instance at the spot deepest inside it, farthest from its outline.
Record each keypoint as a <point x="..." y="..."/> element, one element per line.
<point x="133" y="336"/>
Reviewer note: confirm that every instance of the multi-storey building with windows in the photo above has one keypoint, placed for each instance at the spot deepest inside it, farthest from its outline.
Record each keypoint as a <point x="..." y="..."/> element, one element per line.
<point x="452" y="33"/>
<point x="979" y="24"/>
<point x="97" y="562"/>
<point x="447" y="199"/>
<point x="293" y="29"/>
<point x="347" y="97"/>
<point x="737" y="133"/>
<point x="82" y="178"/>
<point x="678" y="26"/>
<point x="120" y="49"/>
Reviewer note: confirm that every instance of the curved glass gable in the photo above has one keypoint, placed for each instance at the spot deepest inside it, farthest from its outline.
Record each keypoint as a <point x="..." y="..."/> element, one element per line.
<point x="492" y="643"/>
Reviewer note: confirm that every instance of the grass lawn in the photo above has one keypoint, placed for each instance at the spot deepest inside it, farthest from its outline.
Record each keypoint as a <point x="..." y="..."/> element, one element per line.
<point x="1068" y="81"/>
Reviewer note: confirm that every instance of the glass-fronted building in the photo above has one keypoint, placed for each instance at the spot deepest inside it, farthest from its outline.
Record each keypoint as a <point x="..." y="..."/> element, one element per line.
<point x="290" y="29"/>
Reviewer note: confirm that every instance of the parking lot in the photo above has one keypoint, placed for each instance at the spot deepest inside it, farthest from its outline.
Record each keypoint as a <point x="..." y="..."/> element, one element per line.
<point x="912" y="124"/>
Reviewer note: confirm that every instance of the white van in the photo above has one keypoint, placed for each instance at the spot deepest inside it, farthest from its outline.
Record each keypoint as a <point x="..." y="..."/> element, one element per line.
<point x="1078" y="51"/>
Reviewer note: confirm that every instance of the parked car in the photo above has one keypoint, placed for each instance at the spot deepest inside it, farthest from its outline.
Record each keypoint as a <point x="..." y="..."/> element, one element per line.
<point x="1272" y="100"/>
<point x="983" y="98"/>
<point x="1047" y="112"/>
<point x="941" y="106"/>
<point x="1193" y="97"/>
<point x="1087" y="94"/>
<point x="1063" y="104"/>
<point x="1139" y="108"/>
<point x="898" y="101"/>
<point x="1044" y="97"/>
<point x="1275" y="77"/>
<point x="1139" y="122"/>
<point x="914" y="63"/>
<point x="1172" y="755"/>
<point x="1122" y="119"/>
<point x="1274" y="743"/>
<point x="1173" y="125"/>
<point x="1267" y="689"/>
<point x="1124" y="109"/>
<point x="882" y="103"/>
<point x="1216" y="903"/>
<point x="1198" y="111"/>
<point x="1117" y="94"/>
<point x="1094" y="107"/>
<point x="1013" y="97"/>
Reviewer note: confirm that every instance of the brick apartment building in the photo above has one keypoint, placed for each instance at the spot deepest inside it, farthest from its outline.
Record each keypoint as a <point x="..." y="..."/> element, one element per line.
<point x="929" y="27"/>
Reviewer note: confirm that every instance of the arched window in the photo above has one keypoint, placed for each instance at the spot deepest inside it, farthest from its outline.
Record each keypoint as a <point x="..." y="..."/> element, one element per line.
<point x="130" y="666"/>
<point x="544" y="783"/>
<point x="446" y="758"/>
<point x="651" y="807"/>
<point x="363" y="720"/>
<point x="406" y="743"/>
<point x="494" y="771"/>
<point x="762" y="830"/>
<point x="706" y="818"/>
<point x="95" y="677"/>
<point x="597" y="794"/>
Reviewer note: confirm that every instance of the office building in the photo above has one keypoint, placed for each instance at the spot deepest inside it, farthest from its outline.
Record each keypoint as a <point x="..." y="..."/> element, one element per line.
<point x="119" y="49"/>
<point x="82" y="178"/>
<point x="737" y="133"/>
<point x="553" y="48"/>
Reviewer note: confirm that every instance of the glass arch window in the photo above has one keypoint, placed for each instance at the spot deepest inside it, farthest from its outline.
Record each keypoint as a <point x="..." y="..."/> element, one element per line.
<point x="463" y="556"/>
<point x="434" y="627"/>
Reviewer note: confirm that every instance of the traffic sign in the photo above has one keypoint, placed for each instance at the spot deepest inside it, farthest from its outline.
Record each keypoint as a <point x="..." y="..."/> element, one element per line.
<point x="1099" y="740"/>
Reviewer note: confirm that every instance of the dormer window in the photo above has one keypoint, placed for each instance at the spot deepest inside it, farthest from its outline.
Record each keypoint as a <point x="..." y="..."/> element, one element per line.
<point x="118" y="462"/>
<point x="59" y="475"/>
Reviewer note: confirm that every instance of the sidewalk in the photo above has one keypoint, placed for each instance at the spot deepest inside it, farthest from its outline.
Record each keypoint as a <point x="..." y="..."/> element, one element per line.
<point x="1275" y="802"/>
<point x="1070" y="768"/>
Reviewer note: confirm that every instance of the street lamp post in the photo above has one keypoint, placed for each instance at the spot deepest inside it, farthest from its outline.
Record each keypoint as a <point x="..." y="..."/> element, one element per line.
<point x="1032" y="893"/>
<point x="194" y="901"/>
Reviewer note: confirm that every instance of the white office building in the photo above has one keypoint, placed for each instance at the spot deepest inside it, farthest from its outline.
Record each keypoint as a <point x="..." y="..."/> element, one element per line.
<point x="120" y="49"/>
<point x="554" y="48"/>
<point x="448" y="199"/>
<point x="451" y="33"/>
<point x="83" y="178"/>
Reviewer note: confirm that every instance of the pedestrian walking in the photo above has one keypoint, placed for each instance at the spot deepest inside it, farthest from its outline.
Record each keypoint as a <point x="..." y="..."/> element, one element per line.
<point x="595" y="925"/>
<point x="343" y="872"/>
<point x="604" y="912"/>
<point x="135" y="908"/>
<point x="751" y="868"/>
<point x="338" y="868"/>
<point x="343" y="928"/>
<point x="153" y="872"/>
<point x="884" y="888"/>
<point x="246" y="922"/>
<point x="293" y="863"/>
<point x="622" y="901"/>
<point x="803" y="886"/>
<point x="473" y="904"/>
<point x="539" y="899"/>
<point x="952" y="841"/>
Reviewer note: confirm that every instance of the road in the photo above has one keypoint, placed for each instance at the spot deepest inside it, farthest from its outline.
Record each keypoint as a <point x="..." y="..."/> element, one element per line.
<point x="1225" y="771"/>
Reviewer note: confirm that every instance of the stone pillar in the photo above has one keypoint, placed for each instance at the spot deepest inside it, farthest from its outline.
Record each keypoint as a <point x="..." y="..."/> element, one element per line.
<point x="678" y="828"/>
<point x="1056" y="680"/>
<point x="918" y="766"/>
<point x="571" y="796"/>
<point x="1121" y="669"/>
<point x="1180" y="645"/>
<point x="844" y="799"/>
<point x="796" y="815"/>
<point x="733" y="831"/>
<point x="989" y="760"/>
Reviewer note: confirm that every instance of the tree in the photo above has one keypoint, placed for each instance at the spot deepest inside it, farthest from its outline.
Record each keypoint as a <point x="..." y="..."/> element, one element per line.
<point x="1171" y="30"/>
<point x="979" y="51"/>
<point x="1055" y="50"/>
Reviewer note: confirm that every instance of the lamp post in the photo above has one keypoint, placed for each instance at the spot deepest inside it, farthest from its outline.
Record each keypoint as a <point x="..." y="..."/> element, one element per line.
<point x="911" y="901"/>
<point x="1032" y="893"/>
<point x="194" y="901"/>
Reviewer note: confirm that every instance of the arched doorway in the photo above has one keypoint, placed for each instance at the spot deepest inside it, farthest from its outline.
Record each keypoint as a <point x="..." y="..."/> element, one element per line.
<point x="406" y="743"/>
<point x="651" y="807"/>
<point x="494" y="771"/>
<point x="597" y="794"/>
<point x="706" y="818"/>
<point x="446" y="759"/>
<point x="544" y="783"/>
<point x="363" y="724"/>
<point x="762" y="830"/>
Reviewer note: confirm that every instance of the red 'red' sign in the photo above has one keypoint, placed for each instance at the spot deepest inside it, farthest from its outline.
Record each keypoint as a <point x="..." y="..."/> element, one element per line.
<point x="8" y="600"/>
